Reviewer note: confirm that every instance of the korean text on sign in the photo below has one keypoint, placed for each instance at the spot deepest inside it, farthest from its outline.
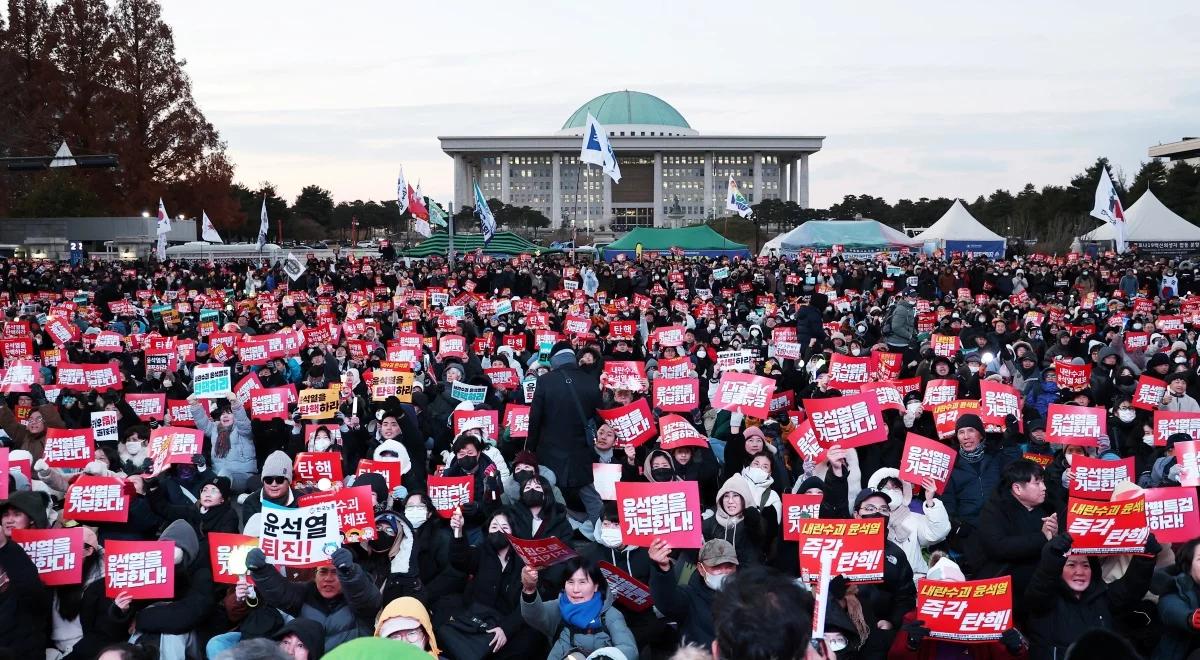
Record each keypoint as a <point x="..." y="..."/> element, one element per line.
<point x="669" y="510"/>
<point x="972" y="611"/>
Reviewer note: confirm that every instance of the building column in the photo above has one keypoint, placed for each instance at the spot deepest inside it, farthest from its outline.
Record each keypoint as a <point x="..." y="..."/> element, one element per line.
<point x="660" y="217"/>
<point x="606" y="210"/>
<point x="504" y="196"/>
<point x="803" y="199"/>
<point x="708" y="185"/>
<point x="461" y="185"/>
<point x="556" y="193"/>
<point x="783" y="189"/>
<point x="758" y="181"/>
<point x="793" y="180"/>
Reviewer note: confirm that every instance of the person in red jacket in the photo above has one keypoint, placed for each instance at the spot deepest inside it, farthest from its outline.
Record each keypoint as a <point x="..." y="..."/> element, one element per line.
<point x="915" y="643"/>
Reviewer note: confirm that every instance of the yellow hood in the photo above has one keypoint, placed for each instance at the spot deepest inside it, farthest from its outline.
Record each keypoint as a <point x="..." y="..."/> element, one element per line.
<point x="410" y="607"/>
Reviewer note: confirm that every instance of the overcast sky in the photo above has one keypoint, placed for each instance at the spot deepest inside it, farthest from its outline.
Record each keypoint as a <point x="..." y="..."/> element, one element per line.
<point x="915" y="99"/>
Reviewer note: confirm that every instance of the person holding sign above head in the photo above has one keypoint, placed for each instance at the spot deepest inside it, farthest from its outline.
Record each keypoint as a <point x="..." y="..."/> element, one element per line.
<point x="582" y="618"/>
<point x="910" y="530"/>
<point x="1067" y="595"/>
<point x="684" y="593"/>
<point x="230" y="439"/>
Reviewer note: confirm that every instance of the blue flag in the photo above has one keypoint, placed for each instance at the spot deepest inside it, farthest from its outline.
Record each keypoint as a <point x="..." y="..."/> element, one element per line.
<point x="487" y="222"/>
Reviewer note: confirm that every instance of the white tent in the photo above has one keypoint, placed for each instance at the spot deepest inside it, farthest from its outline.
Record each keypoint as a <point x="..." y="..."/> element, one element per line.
<point x="958" y="231"/>
<point x="775" y="244"/>
<point x="1148" y="221"/>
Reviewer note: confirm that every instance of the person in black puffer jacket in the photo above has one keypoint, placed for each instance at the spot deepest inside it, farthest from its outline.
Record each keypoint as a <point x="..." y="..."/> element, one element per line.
<point x="810" y="331"/>
<point x="1066" y="597"/>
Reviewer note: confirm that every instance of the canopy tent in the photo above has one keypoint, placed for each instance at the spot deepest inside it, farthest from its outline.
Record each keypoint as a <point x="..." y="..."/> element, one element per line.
<point x="775" y="244"/>
<point x="856" y="237"/>
<point x="1152" y="227"/>
<point x="504" y="243"/>
<point x="699" y="240"/>
<point x="958" y="231"/>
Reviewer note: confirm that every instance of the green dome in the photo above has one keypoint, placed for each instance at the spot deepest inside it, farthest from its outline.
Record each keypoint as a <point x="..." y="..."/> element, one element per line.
<point x="626" y="107"/>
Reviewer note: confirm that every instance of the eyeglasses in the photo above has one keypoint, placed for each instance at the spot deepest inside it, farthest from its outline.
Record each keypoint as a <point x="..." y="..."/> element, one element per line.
<point x="274" y="481"/>
<point x="871" y="508"/>
<point x="412" y="635"/>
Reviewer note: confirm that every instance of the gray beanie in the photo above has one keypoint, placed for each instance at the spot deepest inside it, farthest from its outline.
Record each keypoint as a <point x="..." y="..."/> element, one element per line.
<point x="562" y="358"/>
<point x="277" y="465"/>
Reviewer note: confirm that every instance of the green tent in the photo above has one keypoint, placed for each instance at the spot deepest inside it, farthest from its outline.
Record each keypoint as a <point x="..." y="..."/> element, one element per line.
<point x="504" y="243"/>
<point x="699" y="240"/>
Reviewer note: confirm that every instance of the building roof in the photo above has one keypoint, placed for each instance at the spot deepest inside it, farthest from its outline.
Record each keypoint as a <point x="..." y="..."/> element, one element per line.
<point x="695" y="240"/>
<point x="627" y="107"/>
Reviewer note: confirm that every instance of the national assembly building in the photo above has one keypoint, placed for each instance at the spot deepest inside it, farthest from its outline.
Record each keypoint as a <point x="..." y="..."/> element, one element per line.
<point x="671" y="174"/>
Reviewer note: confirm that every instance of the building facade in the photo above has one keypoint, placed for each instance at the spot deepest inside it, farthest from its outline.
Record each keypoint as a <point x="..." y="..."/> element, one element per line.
<point x="1186" y="150"/>
<point x="671" y="175"/>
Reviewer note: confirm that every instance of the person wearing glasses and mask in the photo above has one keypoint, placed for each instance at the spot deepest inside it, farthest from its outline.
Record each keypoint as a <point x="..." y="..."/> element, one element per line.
<point x="884" y="604"/>
<point x="276" y="486"/>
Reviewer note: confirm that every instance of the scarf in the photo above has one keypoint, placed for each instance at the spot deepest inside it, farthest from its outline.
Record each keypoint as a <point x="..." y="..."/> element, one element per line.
<point x="582" y="616"/>
<point x="973" y="456"/>
<point x="222" y="448"/>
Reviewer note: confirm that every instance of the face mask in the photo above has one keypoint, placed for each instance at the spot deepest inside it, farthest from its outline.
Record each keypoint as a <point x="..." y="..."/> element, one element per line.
<point x="417" y="515"/>
<point x="754" y="475"/>
<point x="836" y="645"/>
<point x="1180" y="360"/>
<point x="715" y="582"/>
<point x="610" y="537"/>
<point x="522" y="475"/>
<point x="662" y="474"/>
<point x="134" y="448"/>
<point x="1148" y="439"/>
<point x="533" y="498"/>
<point x="321" y="443"/>
<point x="896" y="497"/>
<point x="497" y="540"/>
<point x="468" y="463"/>
<point x="914" y="407"/>
<point x="1126" y="415"/>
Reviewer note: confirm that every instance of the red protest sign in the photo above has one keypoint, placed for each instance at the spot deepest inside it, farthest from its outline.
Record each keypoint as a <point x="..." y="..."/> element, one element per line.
<point x="1096" y="478"/>
<point x="624" y="375"/>
<point x="946" y="415"/>
<point x="452" y="346"/>
<point x="1167" y="423"/>
<point x="924" y="458"/>
<point x="796" y="509"/>
<point x="171" y="445"/>
<point x="313" y="466"/>
<point x="888" y="394"/>
<point x="356" y="515"/>
<point x="540" y="553"/>
<point x="856" y="546"/>
<point x="449" y="493"/>
<point x="675" y="431"/>
<point x="1075" y="425"/>
<point x="1073" y="376"/>
<point x="669" y="511"/>
<point x="806" y="443"/>
<point x="96" y="499"/>
<point x="222" y="546"/>
<point x="745" y="393"/>
<point x="148" y="406"/>
<point x="1149" y="393"/>
<point x="848" y="373"/>
<point x="503" y="378"/>
<point x="678" y="367"/>
<point x="516" y="420"/>
<point x="144" y="569"/>
<point x="1105" y="528"/>
<point x="389" y="469"/>
<point x="850" y="421"/>
<point x="945" y="345"/>
<point x="886" y="366"/>
<point x="69" y="448"/>
<point x="1173" y="514"/>
<point x="676" y="394"/>
<point x="939" y="391"/>
<point x="971" y="611"/>
<point x="269" y="403"/>
<point x="487" y="421"/>
<point x="180" y="412"/>
<point x="57" y="553"/>
<point x="997" y="401"/>
<point x="632" y="423"/>
<point x="628" y="590"/>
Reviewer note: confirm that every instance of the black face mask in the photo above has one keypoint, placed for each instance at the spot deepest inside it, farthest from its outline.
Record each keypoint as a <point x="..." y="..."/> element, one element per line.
<point x="533" y="498"/>
<point x="662" y="474"/>
<point x="468" y="463"/>
<point x="497" y="540"/>
<point x="523" y="476"/>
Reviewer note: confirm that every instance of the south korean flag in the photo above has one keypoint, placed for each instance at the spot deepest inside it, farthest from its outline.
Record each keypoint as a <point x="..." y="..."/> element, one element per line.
<point x="294" y="267"/>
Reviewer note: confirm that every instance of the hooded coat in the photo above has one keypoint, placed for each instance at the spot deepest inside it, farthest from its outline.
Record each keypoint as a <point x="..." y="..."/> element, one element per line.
<point x="193" y="588"/>
<point x="409" y="607"/>
<point x="913" y="531"/>
<point x="747" y="533"/>
<point x="1175" y="610"/>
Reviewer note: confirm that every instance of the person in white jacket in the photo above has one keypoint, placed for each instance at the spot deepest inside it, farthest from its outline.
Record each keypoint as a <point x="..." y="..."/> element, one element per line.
<point x="908" y="529"/>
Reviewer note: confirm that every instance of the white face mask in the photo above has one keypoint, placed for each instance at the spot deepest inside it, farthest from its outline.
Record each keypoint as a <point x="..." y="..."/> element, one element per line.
<point x="134" y="448"/>
<point x="914" y="408"/>
<point x="417" y="515"/>
<point x="1126" y="415"/>
<point x="896" y="497"/>
<point x="754" y="475"/>
<point x="321" y="443"/>
<point x="1148" y="439"/>
<point x="610" y="537"/>
<point x="1180" y="360"/>
<point x="715" y="582"/>
<point x="178" y="555"/>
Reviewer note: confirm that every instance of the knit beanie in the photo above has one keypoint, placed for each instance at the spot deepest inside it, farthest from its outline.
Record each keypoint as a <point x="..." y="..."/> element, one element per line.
<point x="969" y="421"/>
<point x="277" y="465"/>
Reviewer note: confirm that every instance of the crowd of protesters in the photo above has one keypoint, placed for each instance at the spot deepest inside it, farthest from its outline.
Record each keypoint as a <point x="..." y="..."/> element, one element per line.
<point x="451" y="585"/>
